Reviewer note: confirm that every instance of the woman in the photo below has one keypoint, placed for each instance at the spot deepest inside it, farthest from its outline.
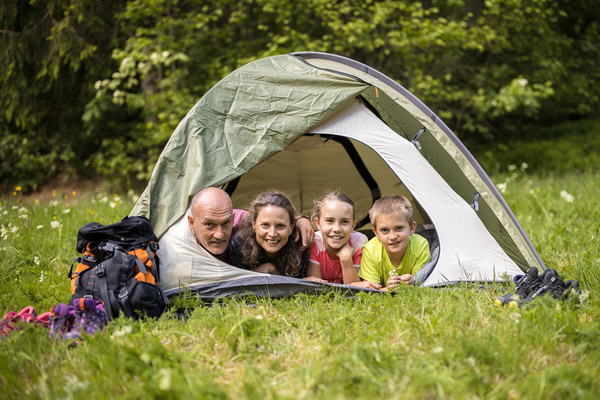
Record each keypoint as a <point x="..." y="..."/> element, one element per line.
<point x="265" y="241"/>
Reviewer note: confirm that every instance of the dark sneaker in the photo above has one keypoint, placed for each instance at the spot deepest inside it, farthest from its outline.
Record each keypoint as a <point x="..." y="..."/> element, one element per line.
<point x="90" y="318"/>
<point x="61" y="319"/>
<point x="523" y="285"/>
<point x="550" y="283"/>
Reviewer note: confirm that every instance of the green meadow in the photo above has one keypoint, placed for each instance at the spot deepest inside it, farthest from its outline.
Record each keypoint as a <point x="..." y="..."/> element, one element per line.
<point x="422" y="343"/>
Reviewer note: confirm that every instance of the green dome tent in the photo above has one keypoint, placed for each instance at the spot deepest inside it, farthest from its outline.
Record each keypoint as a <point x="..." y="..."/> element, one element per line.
<point x="304" y="123"/>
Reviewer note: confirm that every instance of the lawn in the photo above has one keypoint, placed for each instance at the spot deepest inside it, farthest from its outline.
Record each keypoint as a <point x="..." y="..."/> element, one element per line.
<point x="422" y="343"/>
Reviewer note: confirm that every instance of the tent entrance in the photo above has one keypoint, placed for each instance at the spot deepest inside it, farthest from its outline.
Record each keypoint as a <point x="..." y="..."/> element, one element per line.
<point x="317" y="163"/>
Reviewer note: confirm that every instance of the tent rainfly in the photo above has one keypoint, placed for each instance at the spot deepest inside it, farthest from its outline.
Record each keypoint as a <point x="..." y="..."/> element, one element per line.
<point x="305" y="123"/>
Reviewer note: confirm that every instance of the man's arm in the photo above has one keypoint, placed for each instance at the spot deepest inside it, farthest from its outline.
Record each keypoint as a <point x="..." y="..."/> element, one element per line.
<point x="306" y="231"/>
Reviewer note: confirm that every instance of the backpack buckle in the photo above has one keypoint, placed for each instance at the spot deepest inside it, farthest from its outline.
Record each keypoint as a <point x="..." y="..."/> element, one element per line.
<point x="124" y="293"/>
<point x="100" y="270"/>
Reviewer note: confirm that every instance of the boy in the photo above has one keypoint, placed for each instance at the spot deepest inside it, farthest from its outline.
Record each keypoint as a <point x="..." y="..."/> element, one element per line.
<point x="396" y="253"/>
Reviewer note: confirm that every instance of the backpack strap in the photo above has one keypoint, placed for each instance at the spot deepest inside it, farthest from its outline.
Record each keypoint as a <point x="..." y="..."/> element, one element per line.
<point x="101" y="278"/>
<point x="140" y="265"/>
<point x="125" y="302"/>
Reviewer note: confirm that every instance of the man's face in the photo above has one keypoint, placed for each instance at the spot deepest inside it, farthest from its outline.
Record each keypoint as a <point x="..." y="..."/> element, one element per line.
<point x="212" y="227"/>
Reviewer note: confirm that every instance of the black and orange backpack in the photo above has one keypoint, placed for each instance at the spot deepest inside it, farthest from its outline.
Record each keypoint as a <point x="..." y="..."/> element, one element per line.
<point x="120" y="267"/>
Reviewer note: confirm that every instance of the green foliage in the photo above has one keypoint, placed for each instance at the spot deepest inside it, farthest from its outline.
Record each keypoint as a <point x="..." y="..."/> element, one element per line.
<point x="50" y="53"/>
<point x="124" y="74"/>
<point x="574" y="146"/>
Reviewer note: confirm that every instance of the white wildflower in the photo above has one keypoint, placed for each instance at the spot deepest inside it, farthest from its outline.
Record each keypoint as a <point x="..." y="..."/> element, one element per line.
<point x="5" y="212"/>
<point x="97" y="85"/>
<point x="15" y="207"/>
<point x="23" y="210"/>
<point x="523" y="82"/>
<point x="53" y="203"/>
<point x="41" y="276"/>
<point x="66" y="210"/>
<point x="13" y="229"/>
<point x="3" y="232"/>
<point x="164" y="382"/>
<point x="512" y="167"/>
<point x="23" y="216"/>
<point x="36" y="260"/>
<point x="126" y="330"/>
<point x="54" y="224"/>
<point x="501" y="187"/>
<point x="39" y="226"/>
<point x="103" y="200"/>
<point x="117" y="198"/>
<point x="524" y="166"/>
<point x="112" y="204"/>
<point x="569" y="198"/>
<point x="165" y="54"/>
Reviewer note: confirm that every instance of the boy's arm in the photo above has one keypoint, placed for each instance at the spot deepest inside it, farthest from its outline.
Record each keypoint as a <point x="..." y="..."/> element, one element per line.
<point x="422" y="256"/>
<point x="368" y="268"/>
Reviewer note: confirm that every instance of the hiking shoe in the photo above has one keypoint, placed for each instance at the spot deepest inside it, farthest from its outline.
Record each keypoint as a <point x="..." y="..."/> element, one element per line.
<point x="61" y="318"/>
<point x="11" y="319"/>
<point x="522" y="288"/>
<point x="551" y="283"/>
<point x="90" y="317"/>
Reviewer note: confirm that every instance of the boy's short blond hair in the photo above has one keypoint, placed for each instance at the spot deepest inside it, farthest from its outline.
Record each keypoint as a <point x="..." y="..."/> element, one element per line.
<point x="391" y="205"/>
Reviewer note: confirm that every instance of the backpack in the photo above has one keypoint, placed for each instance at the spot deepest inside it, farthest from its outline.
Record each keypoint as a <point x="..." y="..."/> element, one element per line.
<point x="120" y="267"/>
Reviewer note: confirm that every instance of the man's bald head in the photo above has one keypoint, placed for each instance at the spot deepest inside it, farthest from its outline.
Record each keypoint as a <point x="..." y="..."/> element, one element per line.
<point x="211" y="219"/>
<point x="212" y="198"/>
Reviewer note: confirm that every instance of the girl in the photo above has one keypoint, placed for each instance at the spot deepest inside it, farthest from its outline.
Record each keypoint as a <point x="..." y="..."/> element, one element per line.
<point x="335" y="256"/>
<point x="265" y="242"/>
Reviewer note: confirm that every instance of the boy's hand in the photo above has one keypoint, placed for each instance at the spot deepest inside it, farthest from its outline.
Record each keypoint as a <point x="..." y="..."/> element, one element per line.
<point x="396" y="280"/>
<point x="408" y="279"/>
<point x="367" y="284"/>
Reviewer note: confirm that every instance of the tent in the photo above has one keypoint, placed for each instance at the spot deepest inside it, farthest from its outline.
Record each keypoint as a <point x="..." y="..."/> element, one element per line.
<point x="308" y="122"/>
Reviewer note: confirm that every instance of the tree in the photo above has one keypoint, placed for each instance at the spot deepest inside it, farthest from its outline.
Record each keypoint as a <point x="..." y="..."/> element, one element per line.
<point x="51" y="51"/>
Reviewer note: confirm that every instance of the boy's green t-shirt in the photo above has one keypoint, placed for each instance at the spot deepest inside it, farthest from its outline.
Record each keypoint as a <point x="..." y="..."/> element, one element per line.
<point x="375" y="264"/>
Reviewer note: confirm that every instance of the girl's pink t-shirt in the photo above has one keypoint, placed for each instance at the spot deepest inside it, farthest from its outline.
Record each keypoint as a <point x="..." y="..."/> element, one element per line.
<point x="331" y="270"/>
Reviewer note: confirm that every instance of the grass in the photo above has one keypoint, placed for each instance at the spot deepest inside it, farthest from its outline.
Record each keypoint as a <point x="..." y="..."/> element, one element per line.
<point x="420" y="344"/>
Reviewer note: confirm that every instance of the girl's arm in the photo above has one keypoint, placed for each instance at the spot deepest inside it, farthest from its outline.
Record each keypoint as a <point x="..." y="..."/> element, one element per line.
<point x="346" y="254"/>
<point x="314" y="273"/>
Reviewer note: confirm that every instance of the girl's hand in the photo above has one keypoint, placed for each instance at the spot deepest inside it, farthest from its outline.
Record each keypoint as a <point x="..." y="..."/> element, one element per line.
<point x="345" y="252"/>
<point x="314" y="279"/>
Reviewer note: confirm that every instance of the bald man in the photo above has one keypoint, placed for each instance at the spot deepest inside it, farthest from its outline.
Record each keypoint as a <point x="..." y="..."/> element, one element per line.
<point x="212" y="220"/>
